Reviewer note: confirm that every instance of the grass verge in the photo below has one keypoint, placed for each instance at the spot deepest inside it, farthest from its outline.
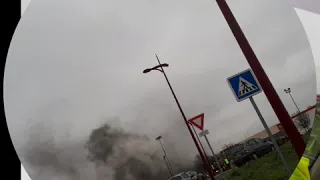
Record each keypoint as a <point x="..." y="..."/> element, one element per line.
<point x="270" y="166"/>
<point x="267" y="167"/>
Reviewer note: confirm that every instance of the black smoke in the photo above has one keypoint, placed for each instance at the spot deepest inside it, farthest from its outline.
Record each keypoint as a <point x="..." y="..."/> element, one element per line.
<point x="108" y="153"/>
<point x="132" y="156"/>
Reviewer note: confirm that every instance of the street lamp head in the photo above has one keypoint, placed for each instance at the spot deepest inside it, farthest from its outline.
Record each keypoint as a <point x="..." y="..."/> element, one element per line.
<point x="287" y="90"/>
<point x="160" y="65"/>
<point x="146" y="70"/>
<point x="165" y="65"/>
<point x="158" y="138"/>
<point x="156" y="68"/>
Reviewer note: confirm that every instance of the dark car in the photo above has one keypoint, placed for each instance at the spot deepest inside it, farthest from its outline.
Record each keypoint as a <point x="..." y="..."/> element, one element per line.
<point x="249" y="150"/>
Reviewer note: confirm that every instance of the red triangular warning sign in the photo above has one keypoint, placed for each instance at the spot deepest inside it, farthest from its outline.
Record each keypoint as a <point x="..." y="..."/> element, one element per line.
<point x="198" y="121"/>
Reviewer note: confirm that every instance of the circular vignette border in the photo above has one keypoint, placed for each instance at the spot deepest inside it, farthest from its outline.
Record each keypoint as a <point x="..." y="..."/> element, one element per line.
<point x="11" y="160"/>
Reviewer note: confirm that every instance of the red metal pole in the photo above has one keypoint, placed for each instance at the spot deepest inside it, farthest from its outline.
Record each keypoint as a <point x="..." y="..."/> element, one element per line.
<point x="271" y="94"/>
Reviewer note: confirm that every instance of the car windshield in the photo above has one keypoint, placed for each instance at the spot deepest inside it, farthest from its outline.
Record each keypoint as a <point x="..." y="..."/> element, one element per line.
<point x="237" y="148"/>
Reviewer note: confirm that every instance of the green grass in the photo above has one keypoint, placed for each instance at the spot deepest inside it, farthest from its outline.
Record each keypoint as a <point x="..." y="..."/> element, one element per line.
<point x="270" y="166"/>
<point x="267" y="167"/>
<point x="313" y="145"/>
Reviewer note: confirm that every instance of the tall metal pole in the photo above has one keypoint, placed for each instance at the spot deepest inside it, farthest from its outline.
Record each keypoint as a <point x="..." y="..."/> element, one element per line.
<point x="301" y="116"/>
<point x="204" y="151"/>
<point x="168" y="166"/>
<point x="215" y="158"/>
<point x="274" y="142"/>
<point x="271" y="94"/>
<point x="186" y="122"/>
<point x="165" y="155"/>
<point x="294" y="102"/>
<point x="213" y="154"/>
<point x="288" y="91"/>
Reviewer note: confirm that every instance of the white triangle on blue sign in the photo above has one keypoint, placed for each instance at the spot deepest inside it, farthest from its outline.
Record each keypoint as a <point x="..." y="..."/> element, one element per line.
<point x="245" y="87"/>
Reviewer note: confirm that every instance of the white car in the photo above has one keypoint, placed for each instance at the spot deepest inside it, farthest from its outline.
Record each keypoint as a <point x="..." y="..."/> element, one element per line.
<point x="192" y="174"/>
<point x="181" y="176"/>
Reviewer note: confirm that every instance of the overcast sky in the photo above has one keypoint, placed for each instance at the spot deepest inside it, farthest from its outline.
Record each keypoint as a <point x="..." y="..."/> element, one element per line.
<point x="308" y="5"/>
<point x="77" y="64"/>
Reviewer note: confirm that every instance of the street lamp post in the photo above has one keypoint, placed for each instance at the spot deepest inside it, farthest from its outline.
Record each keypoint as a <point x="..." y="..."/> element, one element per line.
<point x="165" y="157"/>
<point x="288" y="91"/>
<point x="160" y="68"/>
<point x="168" y="166"/>
<point x="204" y="134"/>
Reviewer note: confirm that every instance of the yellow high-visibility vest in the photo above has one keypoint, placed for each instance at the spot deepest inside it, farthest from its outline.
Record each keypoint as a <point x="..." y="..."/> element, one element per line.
<point x="302" y="170"/>
<point x="226" y="161"/>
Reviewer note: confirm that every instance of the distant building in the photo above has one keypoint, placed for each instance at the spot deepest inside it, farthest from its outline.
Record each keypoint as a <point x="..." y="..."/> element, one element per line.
<point x="227" y="152"/>
<point x="277" y="132"/>
<point x="276" y="129"/>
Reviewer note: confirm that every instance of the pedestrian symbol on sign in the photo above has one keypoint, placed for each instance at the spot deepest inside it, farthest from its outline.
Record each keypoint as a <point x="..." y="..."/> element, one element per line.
<point x="245" y="87"/>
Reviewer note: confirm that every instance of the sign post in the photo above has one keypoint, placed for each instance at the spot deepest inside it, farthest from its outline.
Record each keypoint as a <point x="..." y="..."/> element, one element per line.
<point x="198" y="121"/>
<point x="245" y="85"/>
<point x="274" y="142"/>
<point x="204" y="134"/>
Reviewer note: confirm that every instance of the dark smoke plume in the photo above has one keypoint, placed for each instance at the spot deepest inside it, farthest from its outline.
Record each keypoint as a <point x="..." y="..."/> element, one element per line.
<point x="132" y="156"/>
<point x="108" y="153"/>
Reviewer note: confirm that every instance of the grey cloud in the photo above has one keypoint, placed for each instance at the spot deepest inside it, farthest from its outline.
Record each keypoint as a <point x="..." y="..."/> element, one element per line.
<point x="309" y="5"/>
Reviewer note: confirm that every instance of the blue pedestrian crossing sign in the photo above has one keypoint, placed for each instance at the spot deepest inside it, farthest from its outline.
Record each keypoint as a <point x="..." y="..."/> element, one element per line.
<point x="244" y="85"/>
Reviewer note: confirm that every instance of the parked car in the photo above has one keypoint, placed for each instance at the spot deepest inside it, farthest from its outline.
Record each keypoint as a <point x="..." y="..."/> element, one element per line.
<point x="203" y="176"/>
<point x="190" y="175"/>
<point x="250" y="150"/>
<point x="180" y="176"/>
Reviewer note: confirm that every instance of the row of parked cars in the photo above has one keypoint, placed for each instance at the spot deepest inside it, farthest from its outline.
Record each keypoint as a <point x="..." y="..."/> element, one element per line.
<point x="250" y="149"/>
<point x="241" y="153"/>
